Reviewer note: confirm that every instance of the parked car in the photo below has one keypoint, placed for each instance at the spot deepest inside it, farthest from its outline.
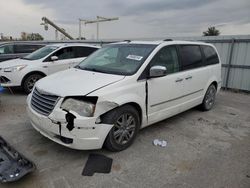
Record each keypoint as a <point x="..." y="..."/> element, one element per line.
<point x="13" y="50"/>
<point x="27" y="70"/>
<point x="122" y="88"/>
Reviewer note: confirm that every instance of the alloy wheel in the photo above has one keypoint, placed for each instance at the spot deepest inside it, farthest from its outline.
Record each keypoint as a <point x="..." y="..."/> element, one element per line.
<point x="124" y="129"/>
<point x="210" y="97"/>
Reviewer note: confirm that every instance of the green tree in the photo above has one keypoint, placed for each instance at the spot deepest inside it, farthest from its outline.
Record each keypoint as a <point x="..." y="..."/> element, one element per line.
<point x="34" y="36"/>
<point x="211" y="31"/>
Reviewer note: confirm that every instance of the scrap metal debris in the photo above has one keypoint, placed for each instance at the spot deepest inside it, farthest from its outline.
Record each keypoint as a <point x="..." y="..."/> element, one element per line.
<point x="97" y="164"/>
<point x="161" y="143"/>
<point x="13" y="165"/>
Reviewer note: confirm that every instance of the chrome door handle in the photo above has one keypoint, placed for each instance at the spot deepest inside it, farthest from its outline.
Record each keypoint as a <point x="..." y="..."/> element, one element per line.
<point x="189" y="77"/>
<point x="179" y="80"/>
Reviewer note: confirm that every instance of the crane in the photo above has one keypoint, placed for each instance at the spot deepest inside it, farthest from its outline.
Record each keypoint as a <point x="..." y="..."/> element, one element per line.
<point x="97" y="21"/>
<point x="47" y="21"/>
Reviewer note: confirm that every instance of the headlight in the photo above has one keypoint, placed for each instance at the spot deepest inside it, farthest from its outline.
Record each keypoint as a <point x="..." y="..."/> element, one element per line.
<point x="80" y="107"/>
<point x="14" y="68"/>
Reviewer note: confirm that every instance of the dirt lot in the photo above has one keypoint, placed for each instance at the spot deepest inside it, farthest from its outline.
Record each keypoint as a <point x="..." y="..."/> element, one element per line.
<point x="205" y="149"/>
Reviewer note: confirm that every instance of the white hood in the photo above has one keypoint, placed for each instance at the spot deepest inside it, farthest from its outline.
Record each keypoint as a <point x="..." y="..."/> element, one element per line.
<point x="75" y="82"/>
<point x="15" y="62"/>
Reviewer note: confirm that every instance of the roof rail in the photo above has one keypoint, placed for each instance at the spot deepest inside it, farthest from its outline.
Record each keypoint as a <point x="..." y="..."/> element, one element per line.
<point x="168" y="40"/>
<point x="127" y="41"/>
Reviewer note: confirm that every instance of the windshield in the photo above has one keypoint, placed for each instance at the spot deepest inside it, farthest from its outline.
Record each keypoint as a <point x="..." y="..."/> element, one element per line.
<point x="40" y="53"/>
<point x="121" y="59"/>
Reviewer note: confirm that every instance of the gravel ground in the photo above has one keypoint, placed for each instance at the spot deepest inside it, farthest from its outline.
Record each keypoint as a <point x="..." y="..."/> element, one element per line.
<point x="205" y="149"/>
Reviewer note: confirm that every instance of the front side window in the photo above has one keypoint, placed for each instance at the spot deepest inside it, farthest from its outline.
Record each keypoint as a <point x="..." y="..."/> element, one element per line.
<point x="190" y="56"/>
<point x="210" y="55"/>
<point x="121" y="59"/>
<point x="40" y="53"/>
<point x="7" y="49"/>
<point x="168" y="58"/>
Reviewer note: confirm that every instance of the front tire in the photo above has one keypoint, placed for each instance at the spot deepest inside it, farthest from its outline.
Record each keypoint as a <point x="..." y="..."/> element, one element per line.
<point x="126" y="123"/>
<point x="209" y="98"/>
<point x="30" y="81"/>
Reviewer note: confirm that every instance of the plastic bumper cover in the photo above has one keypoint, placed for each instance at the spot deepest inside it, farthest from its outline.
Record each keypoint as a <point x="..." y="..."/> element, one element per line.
<point x="85" y="135"/>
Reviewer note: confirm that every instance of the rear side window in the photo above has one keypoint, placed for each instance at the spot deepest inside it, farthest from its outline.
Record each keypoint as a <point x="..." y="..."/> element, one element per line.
<point x="191" y="56"/>
<point x="210" y="55"/>
<point x="26" y="48"/>
<point x="83" y="51"/>
<point x="65" y="53"/>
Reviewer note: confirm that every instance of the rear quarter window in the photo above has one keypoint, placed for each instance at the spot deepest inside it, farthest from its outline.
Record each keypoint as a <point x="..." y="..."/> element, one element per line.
<point x="210" y="55"/>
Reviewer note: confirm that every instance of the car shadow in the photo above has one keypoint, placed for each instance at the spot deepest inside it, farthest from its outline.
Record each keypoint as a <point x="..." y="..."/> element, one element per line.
<point x="13" y="91"/>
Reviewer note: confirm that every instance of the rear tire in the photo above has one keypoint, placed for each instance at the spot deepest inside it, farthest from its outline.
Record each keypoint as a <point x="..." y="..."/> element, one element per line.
<point x="209" y="98"/>
<point x="30" y="81"/>
<point x="126" y="123"/>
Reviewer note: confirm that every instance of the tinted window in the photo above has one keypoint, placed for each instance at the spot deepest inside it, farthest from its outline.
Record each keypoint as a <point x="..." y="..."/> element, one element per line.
<point x="7" y="49"/>
<point x="26" y="48"/>
<point x="210" y="55"/>
<point x="65" y="53"/>
<point x="83" y="51"/>
<point x="190" y="56"/>
<point x="168" y="58"/>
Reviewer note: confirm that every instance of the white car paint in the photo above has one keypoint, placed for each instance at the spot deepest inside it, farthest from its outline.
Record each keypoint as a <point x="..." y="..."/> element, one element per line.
<point x="68" y="77"/>
<point x="166" y="97"/>
<point x="40" y="65"/>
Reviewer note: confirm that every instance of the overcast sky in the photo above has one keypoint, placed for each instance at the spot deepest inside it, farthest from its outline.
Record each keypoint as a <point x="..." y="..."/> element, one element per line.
<point x="137" y="18"/>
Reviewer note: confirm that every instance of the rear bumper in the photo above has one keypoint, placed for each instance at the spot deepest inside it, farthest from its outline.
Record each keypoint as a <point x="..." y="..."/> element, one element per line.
<point x="86" y="134"/>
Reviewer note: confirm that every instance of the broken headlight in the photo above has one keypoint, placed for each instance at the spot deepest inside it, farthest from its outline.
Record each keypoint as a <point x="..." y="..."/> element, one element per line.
<point x="81" y="107"/>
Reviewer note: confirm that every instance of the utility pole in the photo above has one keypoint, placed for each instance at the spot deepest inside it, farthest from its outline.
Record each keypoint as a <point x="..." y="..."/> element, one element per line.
<point x="97" y="21"/>
<point x="47" y="21"/>
<point x="80" y="29"/>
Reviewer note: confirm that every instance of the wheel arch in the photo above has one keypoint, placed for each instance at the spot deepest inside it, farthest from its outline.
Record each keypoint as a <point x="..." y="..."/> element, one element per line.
<point x="30" y="73"/>
<point x="215" y="83"/>
<point x="133" y="104"/>
<point x="213" y="80"/>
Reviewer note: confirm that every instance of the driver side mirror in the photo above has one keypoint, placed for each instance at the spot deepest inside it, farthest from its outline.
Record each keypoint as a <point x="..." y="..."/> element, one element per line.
<point x="157" y="71"/>
<point x="54" y="58"/>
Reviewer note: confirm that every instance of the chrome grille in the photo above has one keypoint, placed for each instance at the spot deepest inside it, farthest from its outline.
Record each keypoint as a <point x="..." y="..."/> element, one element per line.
<point x="43" y="104"/>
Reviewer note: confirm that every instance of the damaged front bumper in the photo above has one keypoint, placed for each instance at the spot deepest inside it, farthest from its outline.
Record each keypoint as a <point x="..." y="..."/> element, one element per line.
<point x="83" y="134"/>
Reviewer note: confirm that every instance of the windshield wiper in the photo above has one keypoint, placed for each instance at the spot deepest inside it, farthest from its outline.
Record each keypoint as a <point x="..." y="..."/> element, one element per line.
<point x="24" y="58"/>
<point x="94" y="70"/>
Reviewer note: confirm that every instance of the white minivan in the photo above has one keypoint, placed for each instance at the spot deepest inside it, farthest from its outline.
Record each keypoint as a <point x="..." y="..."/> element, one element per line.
<point x="122" y="88"/>
<point x="25" y="71"/>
